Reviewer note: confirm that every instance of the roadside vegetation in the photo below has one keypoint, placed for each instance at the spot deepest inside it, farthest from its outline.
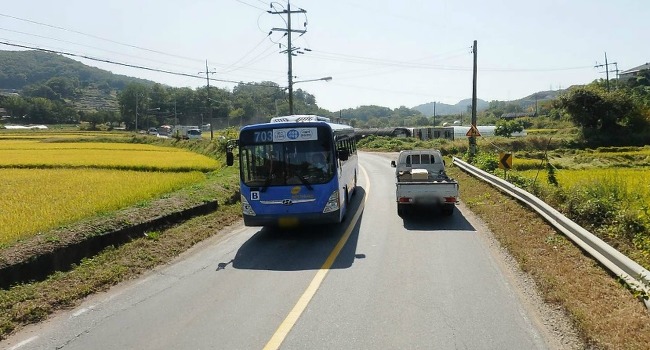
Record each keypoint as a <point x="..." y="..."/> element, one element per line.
<point x="605" y="313"/>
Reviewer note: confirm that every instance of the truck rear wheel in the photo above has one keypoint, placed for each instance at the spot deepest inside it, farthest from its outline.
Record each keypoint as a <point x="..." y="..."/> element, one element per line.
<point x="401" y="209"/>
<point x="448" y="209"/>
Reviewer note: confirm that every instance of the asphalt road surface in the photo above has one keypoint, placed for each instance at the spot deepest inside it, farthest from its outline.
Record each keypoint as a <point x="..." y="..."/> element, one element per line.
<point x="377" y="281"/>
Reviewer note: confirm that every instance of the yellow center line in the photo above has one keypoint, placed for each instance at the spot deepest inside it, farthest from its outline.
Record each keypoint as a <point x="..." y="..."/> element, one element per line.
<point x="291" y="319"/>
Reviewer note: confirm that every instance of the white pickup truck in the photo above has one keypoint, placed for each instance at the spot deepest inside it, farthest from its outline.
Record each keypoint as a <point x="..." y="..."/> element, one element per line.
<point x="421" y="181"/>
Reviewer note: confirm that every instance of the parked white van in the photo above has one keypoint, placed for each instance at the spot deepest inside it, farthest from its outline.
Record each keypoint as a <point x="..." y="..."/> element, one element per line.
<point x="194" y="134"/>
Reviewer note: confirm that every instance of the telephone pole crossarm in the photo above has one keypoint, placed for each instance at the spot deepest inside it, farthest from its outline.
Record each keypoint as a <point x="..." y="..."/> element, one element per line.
<point x="301" y="31"/>
<point x="606" y="65"/>
<point x="290" y="48"/>
<point x="209" y="104"/>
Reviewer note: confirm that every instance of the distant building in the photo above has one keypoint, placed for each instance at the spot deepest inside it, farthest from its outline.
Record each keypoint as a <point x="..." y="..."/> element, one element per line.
<point x="632" y="73"/>
<point x="517" y="115"/>
<point x="9" y="92"/>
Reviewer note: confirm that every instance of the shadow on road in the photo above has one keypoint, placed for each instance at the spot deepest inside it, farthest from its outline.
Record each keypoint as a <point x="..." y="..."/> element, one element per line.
<point x="304" y="248"/>
<point x="432" y="219"/>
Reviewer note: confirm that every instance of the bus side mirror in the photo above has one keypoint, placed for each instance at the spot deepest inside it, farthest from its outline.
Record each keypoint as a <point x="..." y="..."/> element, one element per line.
<point x="392" y="163"/>
<point x="343" y="154"/>
<point x="230" y="158"/>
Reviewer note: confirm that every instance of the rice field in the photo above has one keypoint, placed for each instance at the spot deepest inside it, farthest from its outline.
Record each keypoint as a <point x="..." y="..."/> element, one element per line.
<point x="633" y="182"/>
<point x="36" y="200"/>
<point x="125" y="156"/>
<point x="50" y="134"/>
<point x="48" y="184"/>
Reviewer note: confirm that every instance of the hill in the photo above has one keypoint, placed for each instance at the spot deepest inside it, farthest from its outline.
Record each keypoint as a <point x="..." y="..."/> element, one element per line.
<point x="19" y="69"/>
<point x="84" y="87"/>
<point x="530" y="100"/>
<point x="446" y="109"/>
<point x="462" y="106"/>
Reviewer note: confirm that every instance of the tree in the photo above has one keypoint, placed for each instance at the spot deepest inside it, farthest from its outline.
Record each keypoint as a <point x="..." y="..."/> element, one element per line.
<point x="507" y="127"/>
<point x="43" y="91"/>
<point x="16" y="106"/>
<point x="587" y="108"/>
<point x="595" y="109"/>
<point x="41" y="111"/>
<point x="133" y="94"/>
<point x="93" y="118"/>
<point x="63" y="87"/>
<point x="236" y="115"/>
<point x="616" y="117"/>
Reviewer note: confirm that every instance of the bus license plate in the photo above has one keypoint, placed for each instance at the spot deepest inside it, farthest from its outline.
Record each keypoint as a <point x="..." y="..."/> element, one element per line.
<point x="288" y="221"/>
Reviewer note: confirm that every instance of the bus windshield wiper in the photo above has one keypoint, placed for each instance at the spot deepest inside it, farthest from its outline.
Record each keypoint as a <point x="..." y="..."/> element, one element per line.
<point x="266" y="184"/>
<point x="305" y="182"/>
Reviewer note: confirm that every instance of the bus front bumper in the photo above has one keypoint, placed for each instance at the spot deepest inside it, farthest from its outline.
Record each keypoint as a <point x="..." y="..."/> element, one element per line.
<point x="293" y="220"/>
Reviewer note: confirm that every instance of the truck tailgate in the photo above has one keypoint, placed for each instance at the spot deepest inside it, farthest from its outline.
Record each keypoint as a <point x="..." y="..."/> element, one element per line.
<point x="426" y="192"/>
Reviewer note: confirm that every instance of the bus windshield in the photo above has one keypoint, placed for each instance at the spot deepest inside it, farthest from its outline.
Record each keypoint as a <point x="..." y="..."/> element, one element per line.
<point x="306" y="162"/>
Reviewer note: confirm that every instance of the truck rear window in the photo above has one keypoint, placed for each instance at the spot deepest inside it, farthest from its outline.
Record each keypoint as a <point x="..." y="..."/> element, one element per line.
<point x="420" y="159"/>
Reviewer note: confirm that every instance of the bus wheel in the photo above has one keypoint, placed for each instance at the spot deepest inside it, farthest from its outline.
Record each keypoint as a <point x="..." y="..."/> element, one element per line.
<point x="346" y="204"/>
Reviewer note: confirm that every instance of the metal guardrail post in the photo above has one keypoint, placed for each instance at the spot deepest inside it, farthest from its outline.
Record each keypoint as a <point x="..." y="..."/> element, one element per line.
<point x="635" y="275"/>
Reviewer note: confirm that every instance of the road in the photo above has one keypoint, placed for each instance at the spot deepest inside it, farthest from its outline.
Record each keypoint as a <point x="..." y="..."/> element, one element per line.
<point x="377" y="281"/>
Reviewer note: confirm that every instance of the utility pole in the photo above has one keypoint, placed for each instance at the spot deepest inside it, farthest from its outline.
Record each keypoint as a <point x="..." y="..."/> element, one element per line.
<point x="136" y="112"/>
<point x="434" y="114"/>
<point x="606" y="65"/>
<point x="208" y="101"/>
<point x="290" y="48"/>
<point x="472" y="139"/>
<point x="175" y="115"/>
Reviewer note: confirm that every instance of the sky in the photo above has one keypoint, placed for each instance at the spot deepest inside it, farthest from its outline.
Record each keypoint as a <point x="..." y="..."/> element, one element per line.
<point x="379" y="52"/>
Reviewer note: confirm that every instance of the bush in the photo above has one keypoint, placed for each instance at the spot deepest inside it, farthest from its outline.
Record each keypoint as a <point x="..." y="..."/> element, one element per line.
<point x="486" y="162"/>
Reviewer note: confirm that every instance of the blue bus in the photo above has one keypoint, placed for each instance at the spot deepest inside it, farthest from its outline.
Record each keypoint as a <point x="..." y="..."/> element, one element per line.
<point x="296" y="170"/>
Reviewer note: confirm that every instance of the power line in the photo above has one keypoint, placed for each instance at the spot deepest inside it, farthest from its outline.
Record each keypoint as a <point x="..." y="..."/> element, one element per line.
<point x="253" y="6"/>
<point x="112" y="41"/>
<point x="88" y="46"/>
<point x="412" y="64"/>
<point x="96" y="37"/>
<point x="127" y="64"/>
<point x="243" y="57"/>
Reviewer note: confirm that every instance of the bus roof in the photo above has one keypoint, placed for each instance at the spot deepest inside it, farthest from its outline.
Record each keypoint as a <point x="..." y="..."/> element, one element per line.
<point x="298" y="118"/>
<point x="304" y="118"/>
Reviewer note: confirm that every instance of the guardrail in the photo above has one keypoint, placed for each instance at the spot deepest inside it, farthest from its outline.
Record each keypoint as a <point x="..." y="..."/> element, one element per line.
<point x="635" y="275"/>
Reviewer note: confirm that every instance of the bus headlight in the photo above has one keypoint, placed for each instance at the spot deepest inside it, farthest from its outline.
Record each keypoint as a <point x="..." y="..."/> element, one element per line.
<point x="332" y="202"/>
<point x="246" y="208"/>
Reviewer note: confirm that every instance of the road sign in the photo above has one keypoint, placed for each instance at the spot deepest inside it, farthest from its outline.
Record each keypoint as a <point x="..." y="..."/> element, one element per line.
<point x="505" y="161"/>
<point x="473" y="131"/>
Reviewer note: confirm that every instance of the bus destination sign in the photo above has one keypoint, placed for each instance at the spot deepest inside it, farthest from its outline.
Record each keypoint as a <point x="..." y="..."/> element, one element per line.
<point x="294" y="134"/>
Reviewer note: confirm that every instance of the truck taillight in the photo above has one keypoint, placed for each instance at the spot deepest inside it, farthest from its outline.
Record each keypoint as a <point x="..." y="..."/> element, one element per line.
<point x="450" y="199"/>
<point x="404" y="200"/>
